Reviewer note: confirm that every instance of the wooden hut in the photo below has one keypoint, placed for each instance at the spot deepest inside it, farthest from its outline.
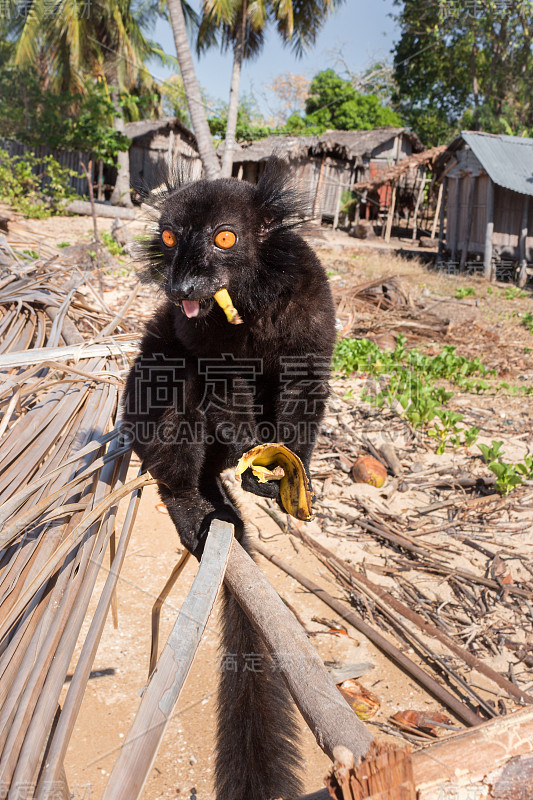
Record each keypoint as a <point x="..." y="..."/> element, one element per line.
<point x="327" y="165"/>
<point x="156" y="146"/>
<point x="488" y="183"/>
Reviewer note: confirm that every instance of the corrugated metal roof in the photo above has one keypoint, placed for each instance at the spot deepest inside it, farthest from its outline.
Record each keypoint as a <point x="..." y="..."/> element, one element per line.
<point x="507" y="159"/>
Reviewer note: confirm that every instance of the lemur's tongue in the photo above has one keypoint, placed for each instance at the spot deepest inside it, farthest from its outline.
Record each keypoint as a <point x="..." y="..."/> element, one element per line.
<point x="191" y="307"/>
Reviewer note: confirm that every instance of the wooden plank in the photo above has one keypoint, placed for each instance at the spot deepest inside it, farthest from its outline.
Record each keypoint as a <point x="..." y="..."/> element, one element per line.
<point x="438" y="210"/>
<point x="418" y="201"/>
<point x="163" y="690"/>
<point x="443" y="217"/>
<point x="522" y="278"/>
<point x="390" y="216"/>
<point x="487" y="257"/>
<point x="455" y="230"/>
<point x="469" y="214"/>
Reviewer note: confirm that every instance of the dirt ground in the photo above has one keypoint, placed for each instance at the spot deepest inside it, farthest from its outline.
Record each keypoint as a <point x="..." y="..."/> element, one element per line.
<point x="487" y="325"/>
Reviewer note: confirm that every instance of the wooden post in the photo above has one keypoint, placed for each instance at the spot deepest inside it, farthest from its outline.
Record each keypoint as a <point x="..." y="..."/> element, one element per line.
<point x="489" y="230"/>
<point x="444" y="199"/>
<point x="418" y="201"/>
<point x="318" y="195"/>
<point x="455" y="239"/>
<point x="437" y="210"/>
<point x="390" y="216"/>
<point x="469" y="216"/>
<point x="522" y="277"/>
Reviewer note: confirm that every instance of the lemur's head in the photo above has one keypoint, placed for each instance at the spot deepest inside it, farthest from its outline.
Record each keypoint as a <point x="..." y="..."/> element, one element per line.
<point x="223" y="233"/>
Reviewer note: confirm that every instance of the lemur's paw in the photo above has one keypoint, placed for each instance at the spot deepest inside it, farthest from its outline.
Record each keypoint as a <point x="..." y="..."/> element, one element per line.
<point x="267" y="489"/>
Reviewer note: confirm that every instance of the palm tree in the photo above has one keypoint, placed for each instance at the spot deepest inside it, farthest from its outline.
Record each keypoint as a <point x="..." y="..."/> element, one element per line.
<point x="81" y="39"/>
<point x="240" y="25"/>
<point x="192" y="90"/>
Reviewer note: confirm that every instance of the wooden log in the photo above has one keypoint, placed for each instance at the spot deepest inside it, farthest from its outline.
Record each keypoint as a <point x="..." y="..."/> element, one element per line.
<point x="522" y="277"/>
<point x="469" y="216"/>
<point x="324" y="709"/>
<point x="466" y="759"/>
<point x="493" y="760"/>
<point x="83" y="207"/>
<point x="489" y="230"/>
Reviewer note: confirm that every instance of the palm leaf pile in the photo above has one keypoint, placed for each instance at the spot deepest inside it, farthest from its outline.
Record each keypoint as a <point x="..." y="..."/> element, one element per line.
<point x="63" y="468"/>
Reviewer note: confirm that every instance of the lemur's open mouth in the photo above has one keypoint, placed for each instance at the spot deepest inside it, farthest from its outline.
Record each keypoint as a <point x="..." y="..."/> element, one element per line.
<point x="191" y="308"/>
<point x="196" y="308"/>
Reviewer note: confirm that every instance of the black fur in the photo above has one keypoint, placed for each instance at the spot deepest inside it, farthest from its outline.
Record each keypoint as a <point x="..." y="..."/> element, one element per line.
<point x="203" y="391"/>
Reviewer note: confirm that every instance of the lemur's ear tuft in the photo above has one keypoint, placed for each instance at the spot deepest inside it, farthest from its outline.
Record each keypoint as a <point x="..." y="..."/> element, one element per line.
<point x="278" y="201"/>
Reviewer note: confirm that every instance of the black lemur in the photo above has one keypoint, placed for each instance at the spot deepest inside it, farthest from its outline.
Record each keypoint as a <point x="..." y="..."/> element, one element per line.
<point x="202" y="392"/>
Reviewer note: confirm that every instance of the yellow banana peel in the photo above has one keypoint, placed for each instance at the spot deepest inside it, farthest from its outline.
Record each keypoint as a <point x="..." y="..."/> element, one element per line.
<point x="294" y="485"/>
<point x="224" y="301"/>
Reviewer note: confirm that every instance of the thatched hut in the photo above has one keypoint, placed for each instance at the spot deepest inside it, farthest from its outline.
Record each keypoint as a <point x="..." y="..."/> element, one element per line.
<point x="488" y="183"/>
<point x="156" y="146"/>
<point x="327" y="165"/>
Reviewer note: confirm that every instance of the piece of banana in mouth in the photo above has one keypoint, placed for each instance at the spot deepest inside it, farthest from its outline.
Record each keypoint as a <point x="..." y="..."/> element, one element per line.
<point x="224" y="301"/>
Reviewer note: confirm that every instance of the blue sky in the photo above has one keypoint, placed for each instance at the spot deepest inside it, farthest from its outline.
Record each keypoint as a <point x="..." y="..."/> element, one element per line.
<point x="362" y="29"/>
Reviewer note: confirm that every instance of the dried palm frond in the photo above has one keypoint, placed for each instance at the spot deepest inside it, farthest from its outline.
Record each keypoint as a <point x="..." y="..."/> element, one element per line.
<point x="63" y="468"/>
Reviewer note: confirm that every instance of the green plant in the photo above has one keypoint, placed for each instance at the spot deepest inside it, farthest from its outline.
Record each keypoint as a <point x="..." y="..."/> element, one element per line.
<point x="465" y="291"/>
<point x="513" y="292"/>
<point x="113" y="247"/>
<point x="408" y="383"/>
<point x="63" y="244"/>
<point x="527" y="320"/>
<point x="493" y="452"/>
<point x="37" y="187"/>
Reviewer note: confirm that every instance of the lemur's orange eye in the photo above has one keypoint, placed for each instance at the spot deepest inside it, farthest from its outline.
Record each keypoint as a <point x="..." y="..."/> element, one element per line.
<point x="168" y="238"/>
<point x="225" y="239"/>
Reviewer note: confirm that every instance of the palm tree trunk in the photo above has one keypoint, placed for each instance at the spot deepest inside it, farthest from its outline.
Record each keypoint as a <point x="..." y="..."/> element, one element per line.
<point x="121" y="193"/>
<point x="233" y="108"/>
<point x="192" y="91"/>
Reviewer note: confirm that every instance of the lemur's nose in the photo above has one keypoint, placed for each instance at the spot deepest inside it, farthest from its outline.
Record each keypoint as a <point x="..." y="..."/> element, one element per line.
<point x="187" y="290"/>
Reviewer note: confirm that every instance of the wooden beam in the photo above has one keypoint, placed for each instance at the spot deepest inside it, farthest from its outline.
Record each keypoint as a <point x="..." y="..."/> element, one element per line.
<point x="522" y="278"/>
<point x="469" y="216"/>
<point x="489" y="230"/>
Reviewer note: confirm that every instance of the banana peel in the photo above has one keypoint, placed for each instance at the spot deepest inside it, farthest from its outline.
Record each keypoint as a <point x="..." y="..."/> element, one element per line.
<point x="265" y="461"/>
<point x="224" y="301"/>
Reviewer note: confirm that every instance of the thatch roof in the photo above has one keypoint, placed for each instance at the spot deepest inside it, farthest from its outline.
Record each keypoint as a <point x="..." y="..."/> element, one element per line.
<point x="355" y="145"/>
<point x="348" y="145"/>
<point x="292" y="147"/>
<point x="391" y="175"/>
<point x="137" y="131"/>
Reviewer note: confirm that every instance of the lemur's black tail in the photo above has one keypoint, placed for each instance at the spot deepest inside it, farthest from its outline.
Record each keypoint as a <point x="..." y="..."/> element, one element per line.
<point x="258" y="748"/>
